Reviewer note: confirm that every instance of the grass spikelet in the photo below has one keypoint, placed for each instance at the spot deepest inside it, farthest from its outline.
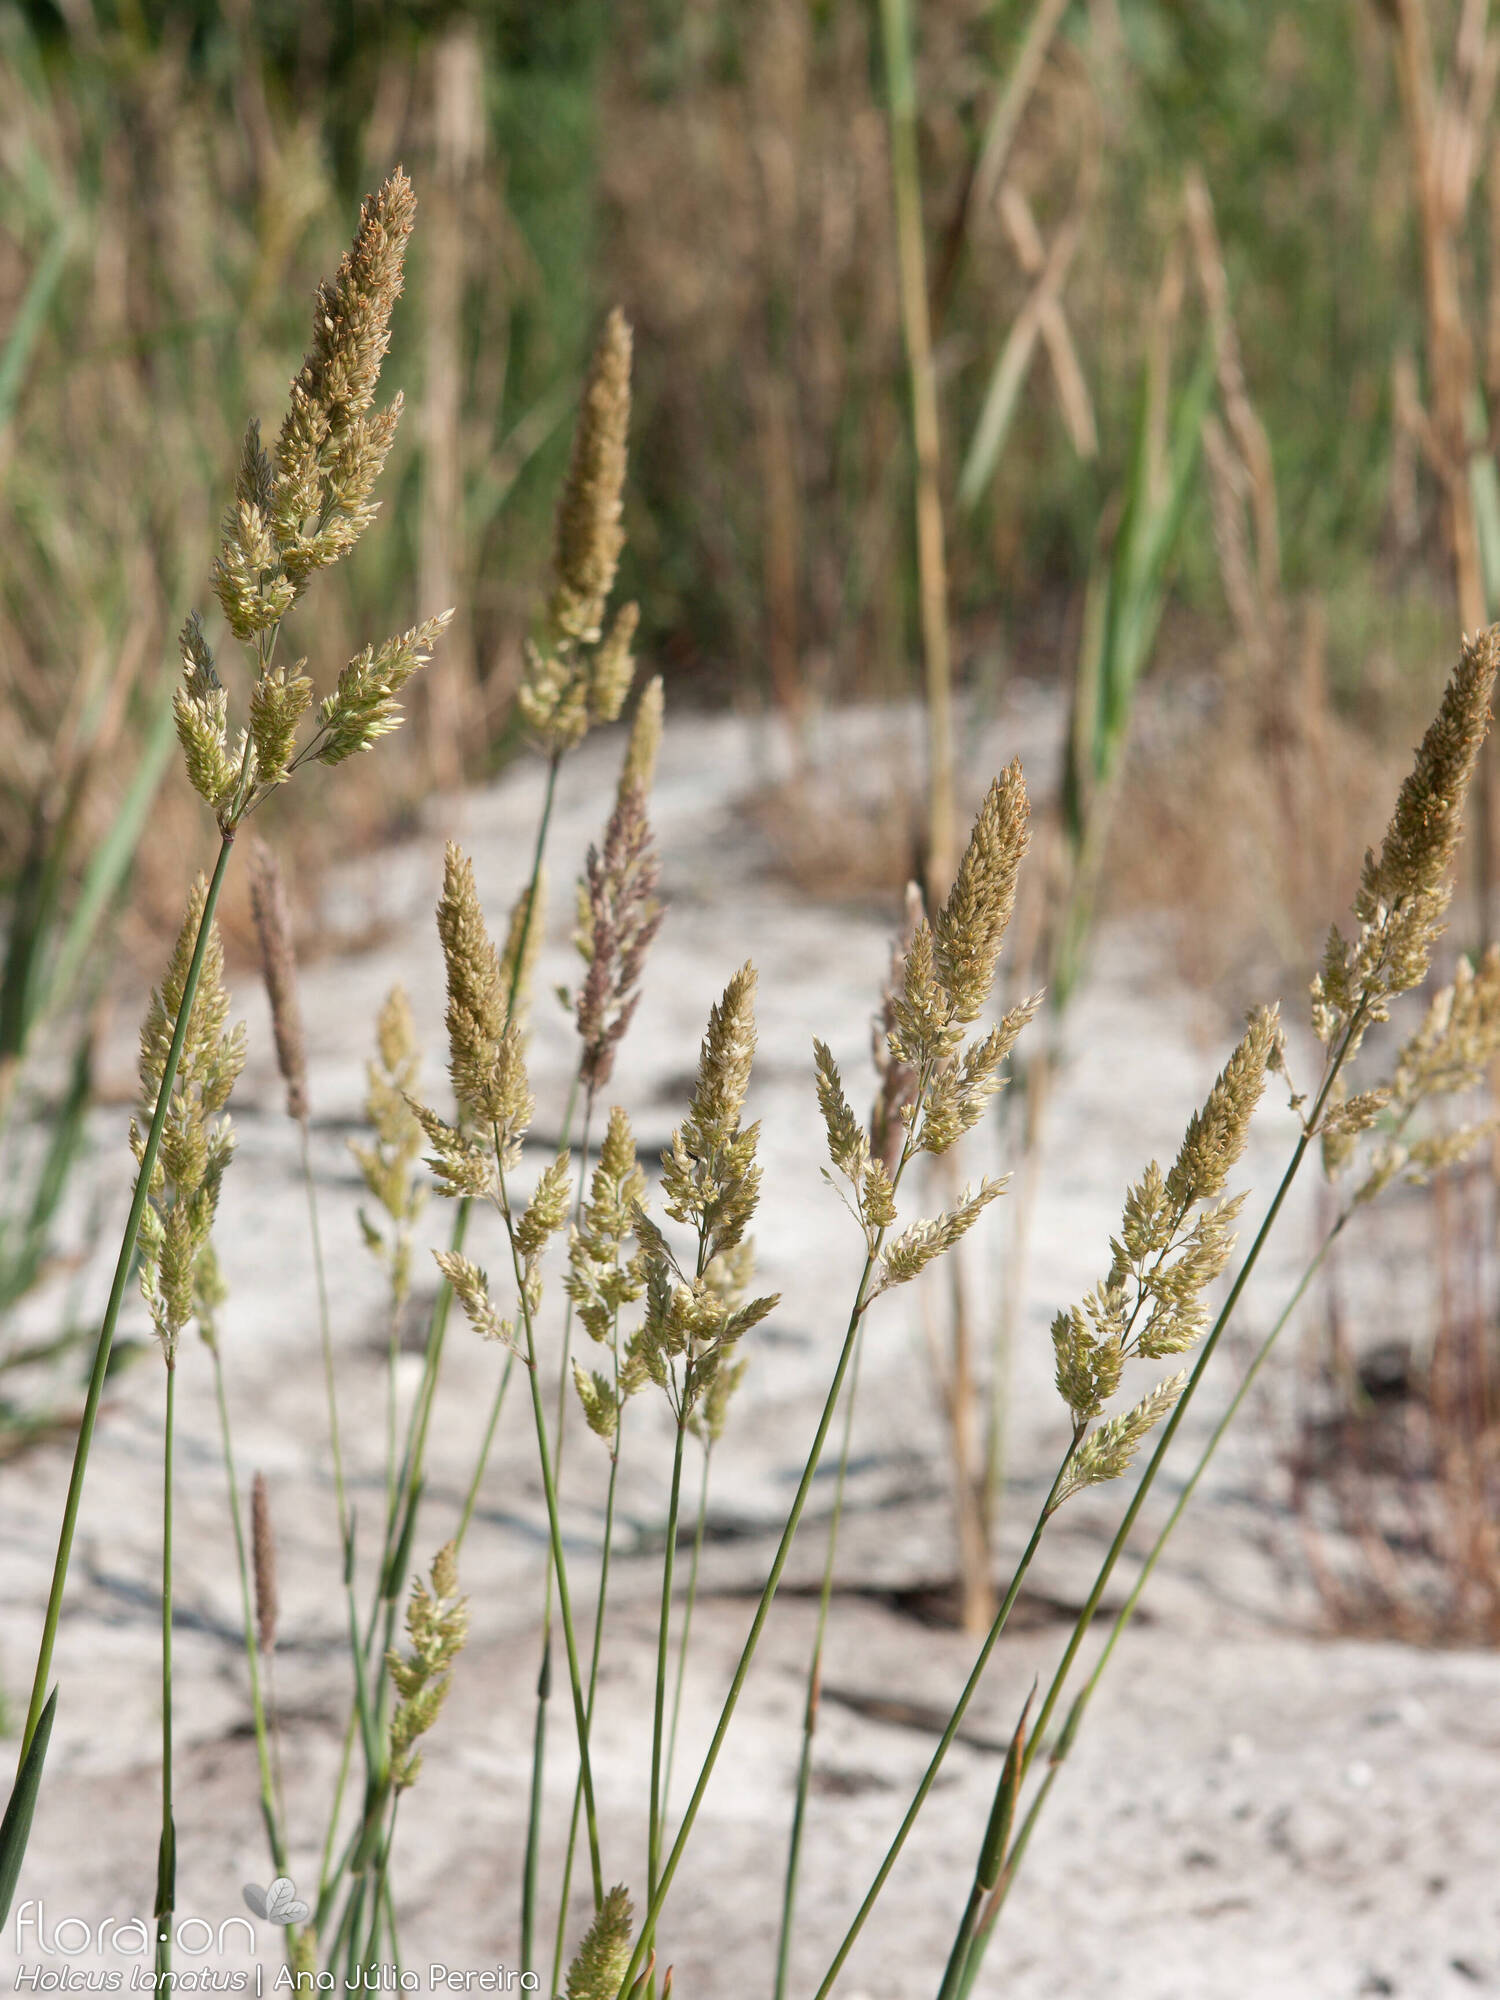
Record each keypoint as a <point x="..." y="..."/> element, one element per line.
<point x="177" y="1269"/>
<point x="1215" y="1136"/>
<point x="898" y="1077"/>
<point x="613" y="668"/>
<point x="387" y="1166"/>
<point x="915" y="1248"/>
<point x="486" y="1062"/>
<point x="624" y="916"/>
<point x="363" y="705"/>
<point x="437" y="1624"/>
<point x="709" y="1175"/>
<point x="639" y="768"/>
<point x="589" y="535"/>
<point x="330" y="451"/>
<point x="471" y="1285"/>
<point x="547" y="1210"/>
<point x="201" y="708"/>
<point x="1417" y="852"/>
<point x="970" y="928"/>
<point x="273" y="928"/>
<point x="600" y="1961"/>
<point x="523" y="946"/>
<point x="1110" y="1450"/>
<point x="263" y="1557"/>
<point x="1404" y="894"/>
<point x="600" y="1280"/>
<point x="1151" y="1303"/>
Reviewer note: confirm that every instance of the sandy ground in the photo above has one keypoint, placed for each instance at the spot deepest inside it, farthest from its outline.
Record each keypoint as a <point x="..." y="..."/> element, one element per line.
<point x="1255" y="1808"/>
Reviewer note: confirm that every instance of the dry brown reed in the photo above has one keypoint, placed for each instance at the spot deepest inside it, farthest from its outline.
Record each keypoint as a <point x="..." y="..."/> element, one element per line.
<point x="278" y="962"/>
<point x="263" y="1558"/>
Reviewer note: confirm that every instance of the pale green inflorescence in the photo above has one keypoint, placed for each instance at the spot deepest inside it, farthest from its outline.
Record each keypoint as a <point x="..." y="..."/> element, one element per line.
<point x="711" y="1182"/>
<point x="600" y="1961"/>
<point x="437" y="1624"/>
<point x="294" y="512"/>
<point x="935" y="1083"/>
<point x="179" y="1272"/>
<point x="583" y="674"/>
<point x="387" y="1164"/>
<point x="1404" y="893"/>
<point x="1175" y="1239"/>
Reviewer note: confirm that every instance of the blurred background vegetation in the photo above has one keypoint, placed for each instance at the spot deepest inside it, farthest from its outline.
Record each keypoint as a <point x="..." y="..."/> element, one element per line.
<point x="177" y="175"/>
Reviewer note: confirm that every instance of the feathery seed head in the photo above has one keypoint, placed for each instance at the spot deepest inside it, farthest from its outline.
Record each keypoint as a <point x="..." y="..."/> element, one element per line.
<point x="639" y="769"/>
<point x="330" y="451"/>
<point x="970" y="928"/>
<point x="1404" y="895"/>
<point x="523" y="946"/>
<point x="589" y="535"/>
<point x="1419" y="843"/>
<point x="898" y="1076"/>
<point x="387" y="1165"/>
<point x="624" y="917"/>
<point x="363" y="706"/>
<point x="437" y="1624"/>
<point x="602" y="1959"/>
<point x="613" y="667"/>
<point x="178" y="1271"/>
<point x="1110" y="1450"/>
<point x="1215" y="1136"/>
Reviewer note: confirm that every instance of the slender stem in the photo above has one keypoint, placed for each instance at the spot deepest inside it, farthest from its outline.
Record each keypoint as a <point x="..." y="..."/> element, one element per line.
<point x="325" y="1334"/>
<point x="1127" y="1610"/>
<point x="268" y="1802"/>
<point x="594" y="1655"/>
<point x="814" y="1693"/>
<point x="112" y="1310"/>
<point x="404" y="1499"/>
<point x="532" y="1863"/>
<point x="471" y="1498"/>
<point x="663" y="1649"/>
<point x="689" y="1605"/>
<point x="945" y="1741"/>
<point x="166" y="1864"/>
<point x="1169" y="1430"/>
<point x="554" y="1525"/>
<point x="757" y="1624"/>
<point x="531" y="1870"/>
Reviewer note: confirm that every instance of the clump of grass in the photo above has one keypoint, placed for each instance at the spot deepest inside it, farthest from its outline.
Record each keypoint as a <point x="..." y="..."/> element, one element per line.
<point x="660" y="1278"/>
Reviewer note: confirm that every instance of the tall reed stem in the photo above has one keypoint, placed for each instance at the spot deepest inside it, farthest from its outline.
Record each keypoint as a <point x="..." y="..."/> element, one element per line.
<point x="900" y="71"/>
